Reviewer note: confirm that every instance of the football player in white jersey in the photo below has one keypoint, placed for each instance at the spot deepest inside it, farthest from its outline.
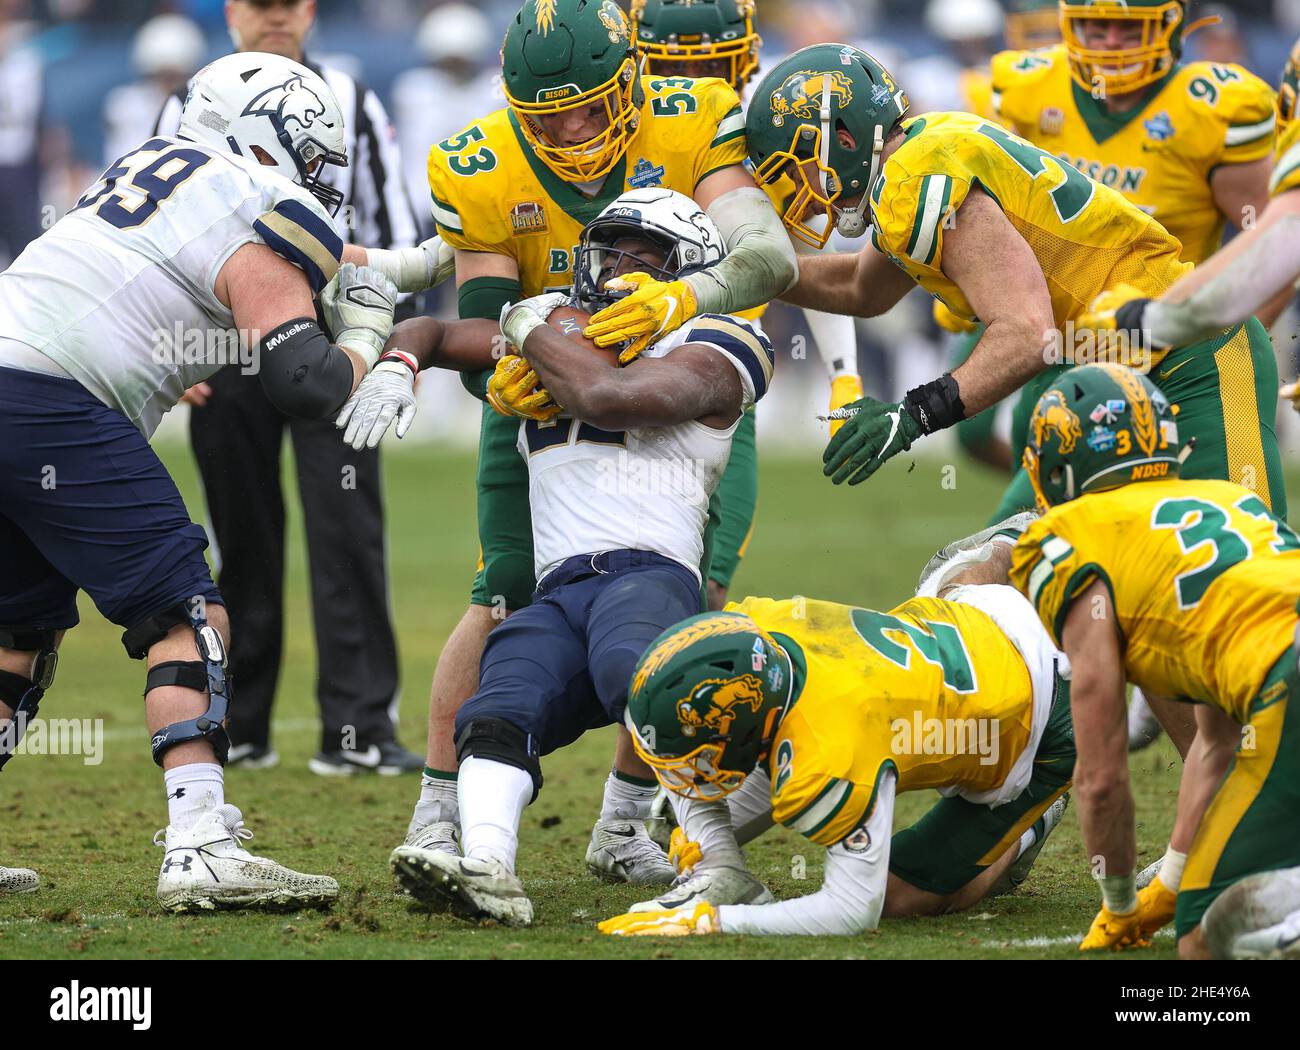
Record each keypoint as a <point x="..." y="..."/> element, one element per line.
<point x="188" y="252"/>
<point x="621" y="463"/>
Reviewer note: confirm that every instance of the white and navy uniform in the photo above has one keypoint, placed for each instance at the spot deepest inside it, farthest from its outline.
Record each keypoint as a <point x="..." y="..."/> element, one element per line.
<point x="237" y="439"/>
<point x="619" y="522"/>
<point x="645" y="489"/>
<point x="104" y="321"/>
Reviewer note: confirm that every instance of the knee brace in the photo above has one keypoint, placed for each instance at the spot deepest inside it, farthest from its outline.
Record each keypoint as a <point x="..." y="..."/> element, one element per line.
<point x="24" y="694"/>
<point x="208" y="673"/>
<point x="499" y="741"/>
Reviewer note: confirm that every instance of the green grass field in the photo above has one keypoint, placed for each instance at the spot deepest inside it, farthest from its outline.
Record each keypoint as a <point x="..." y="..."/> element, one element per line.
<point x="88" y="829"/>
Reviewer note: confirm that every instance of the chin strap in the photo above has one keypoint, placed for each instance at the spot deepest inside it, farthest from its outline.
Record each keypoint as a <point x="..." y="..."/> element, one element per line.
<point x="849" y="222"/>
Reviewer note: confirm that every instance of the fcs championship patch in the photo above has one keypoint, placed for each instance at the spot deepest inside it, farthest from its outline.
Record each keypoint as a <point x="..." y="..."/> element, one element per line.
<point x="646" y="174"/>
<point x="528" y="217"/>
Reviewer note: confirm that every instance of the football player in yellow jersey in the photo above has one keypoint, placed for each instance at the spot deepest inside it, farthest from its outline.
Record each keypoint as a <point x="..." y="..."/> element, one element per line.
<point x="511" y="194"/>
<point x="1188" y="589"/>
<point x="999" y="230"/>
<point x="1242" y="278"/>
<point x="816" y="715"/>
<point x="719" y="38"/>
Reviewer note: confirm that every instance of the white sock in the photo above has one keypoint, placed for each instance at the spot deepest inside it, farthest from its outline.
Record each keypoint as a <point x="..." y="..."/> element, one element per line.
<point x="626" y="799"/>
<point x="492" y="797"/>
<point x="437" y="801"/>
<point x="709" y="824"/>
<point x="193" y="790"/>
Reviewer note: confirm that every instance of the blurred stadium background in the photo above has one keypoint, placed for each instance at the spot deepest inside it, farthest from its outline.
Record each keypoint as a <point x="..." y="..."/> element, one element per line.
<point x="81" y="81"/>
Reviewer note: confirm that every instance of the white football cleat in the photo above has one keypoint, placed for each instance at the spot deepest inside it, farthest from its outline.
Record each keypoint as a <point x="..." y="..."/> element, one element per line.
<point x="1280" y="941"/>
<point x="1148" y="874"/>
<point x="441" y="836"/>
<point x="622" y="851"/>
<point x="1144" y="728"/>
<point x="19" y="880"/>
<point x="470" y="888"/>
<point x="206" y="868"/>
<point x="1256" y="918"/>
<point x="716" y="886"/>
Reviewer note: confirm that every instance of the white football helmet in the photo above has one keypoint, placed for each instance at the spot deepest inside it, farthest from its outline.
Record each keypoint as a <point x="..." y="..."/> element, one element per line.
<point x="455" y="30"/>
<point x="671" y="220"/>
<point x="168" y="44"/>
<point x="253" y="99"/>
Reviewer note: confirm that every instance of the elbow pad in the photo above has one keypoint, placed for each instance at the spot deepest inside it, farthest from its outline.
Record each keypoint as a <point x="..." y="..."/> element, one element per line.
<point x="760" y="263"/>
<point x="302" y="373"/>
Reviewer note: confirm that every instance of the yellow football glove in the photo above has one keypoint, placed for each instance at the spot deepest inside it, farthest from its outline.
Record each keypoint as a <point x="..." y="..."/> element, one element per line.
<point x="683" y="853"/>
<point x="845" y="389"/>
<point x="950" y="322"/>
<point x="1155" y="906"/>
<point x="514" y="390"/>
<point x="677" y="922"/>
<point x="651" y="310"/>
<point x="1115" y="931"/>
<point x="1111" y="323"/>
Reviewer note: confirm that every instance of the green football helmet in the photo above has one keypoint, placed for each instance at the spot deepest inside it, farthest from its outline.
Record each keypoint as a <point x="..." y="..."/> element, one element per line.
<point x="566" y="55"/>
<point x="683" y="35"/>
<point x="1128" y="69"/>
<point x="1098" y="427"/>
<point x="1031" y="24"/>
<point x="705" y="702"/>
<point x="820" y="118"/>
<point x="1290" y="88"/>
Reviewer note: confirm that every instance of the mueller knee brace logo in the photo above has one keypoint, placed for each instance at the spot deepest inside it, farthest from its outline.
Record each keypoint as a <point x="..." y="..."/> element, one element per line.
<point x="75" y="1003"/>
<point x="278" y="338"/>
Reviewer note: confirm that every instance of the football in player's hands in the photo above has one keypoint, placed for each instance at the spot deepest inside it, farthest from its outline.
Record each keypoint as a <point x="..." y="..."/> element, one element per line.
<point x="570" y="321"/>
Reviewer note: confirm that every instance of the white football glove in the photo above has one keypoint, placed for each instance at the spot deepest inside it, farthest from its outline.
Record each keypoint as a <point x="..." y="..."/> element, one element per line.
<point x="426" y="265"/>
<point x="358" y="306"/>
<point x="519" y="319"/>
<point x="386" y="393"/>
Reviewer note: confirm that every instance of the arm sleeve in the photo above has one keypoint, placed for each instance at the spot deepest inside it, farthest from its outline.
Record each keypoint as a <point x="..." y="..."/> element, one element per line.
<point x="751" y="806"/>
<point x="1269" y="265"/>
<point x="483" y="297"/>
<point x="852" y="894"/>
<point x="760" y="263"/>
<point x="834" y="334"/>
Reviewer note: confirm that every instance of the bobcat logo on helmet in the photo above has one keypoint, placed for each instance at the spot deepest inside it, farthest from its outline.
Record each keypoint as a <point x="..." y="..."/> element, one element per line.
<point x="1053" y="416"/>
<point x="800" y="94"/>
<point x="290" y="101"/>
<point x="711" y="703"/>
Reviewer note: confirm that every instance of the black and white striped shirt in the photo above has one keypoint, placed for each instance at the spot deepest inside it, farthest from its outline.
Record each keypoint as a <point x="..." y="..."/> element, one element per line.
<point x="376" y="211"/>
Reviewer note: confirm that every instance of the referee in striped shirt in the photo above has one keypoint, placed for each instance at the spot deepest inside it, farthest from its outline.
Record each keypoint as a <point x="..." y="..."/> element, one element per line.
<point x="237" y="435"/>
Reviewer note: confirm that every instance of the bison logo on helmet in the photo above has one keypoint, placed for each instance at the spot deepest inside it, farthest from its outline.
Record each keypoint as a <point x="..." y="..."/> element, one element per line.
<point x="1053" y="416"/>
<point x="291" y="101"/>
<point x="614" y="21"/>
<point x="801" y="93"/>
<point x="712" y="703"/>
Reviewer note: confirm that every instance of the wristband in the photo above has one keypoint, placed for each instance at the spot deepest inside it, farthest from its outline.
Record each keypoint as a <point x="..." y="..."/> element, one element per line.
<point x="935" y="405"/>
<point x="1171" y="870"/>
<point x="403" y="357"/>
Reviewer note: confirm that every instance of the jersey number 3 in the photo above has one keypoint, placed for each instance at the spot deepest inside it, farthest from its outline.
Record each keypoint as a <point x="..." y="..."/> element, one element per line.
<point x="132" y="190"/>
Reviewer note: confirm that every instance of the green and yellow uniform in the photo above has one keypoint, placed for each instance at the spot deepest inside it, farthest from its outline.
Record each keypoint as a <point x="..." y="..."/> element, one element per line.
<point x="909" y="691"/>
<point x="491" y="194"/>
<point x="1286" y="166"/>
<point x="1205" y="582"/>
<point x="1161" y="156"/>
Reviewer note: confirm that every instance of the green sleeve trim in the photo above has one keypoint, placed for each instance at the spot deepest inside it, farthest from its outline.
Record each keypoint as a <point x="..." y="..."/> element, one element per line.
<point x="714" y="171"/>
<point x="739" y="133"/>
<point x="484" y="297"/>
<point x="1079" y="580"/>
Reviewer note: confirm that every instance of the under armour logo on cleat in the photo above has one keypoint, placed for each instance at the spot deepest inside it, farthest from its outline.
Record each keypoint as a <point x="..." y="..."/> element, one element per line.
<point x="184" y="865"/>
<point x="179" y="793"/>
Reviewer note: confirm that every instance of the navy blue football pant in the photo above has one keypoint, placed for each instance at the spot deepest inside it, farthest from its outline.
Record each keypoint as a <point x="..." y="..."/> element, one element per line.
<point x="85" y="504"/>
<point x="562" y="665"/>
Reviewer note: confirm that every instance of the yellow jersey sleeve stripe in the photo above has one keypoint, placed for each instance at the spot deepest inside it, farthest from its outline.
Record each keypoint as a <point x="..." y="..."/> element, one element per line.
<point x="935" y="193"/>
<point x="1240" y="134"/>
<point x="1285" y="167"/>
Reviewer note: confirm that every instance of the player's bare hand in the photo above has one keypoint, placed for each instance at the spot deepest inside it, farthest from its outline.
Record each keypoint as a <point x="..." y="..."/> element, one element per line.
<point x="197" y="396"/>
